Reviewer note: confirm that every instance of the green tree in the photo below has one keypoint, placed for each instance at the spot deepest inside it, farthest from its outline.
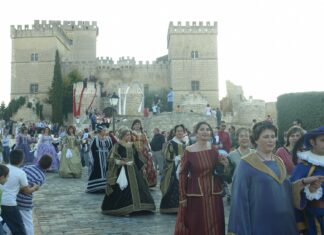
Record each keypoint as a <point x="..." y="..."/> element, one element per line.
<point x="13" y="107"/>
<point x="56" y="92"/>
<point x="307" y="106"/>
<point x="69" y="80"/>
<point x="2" y="109"/>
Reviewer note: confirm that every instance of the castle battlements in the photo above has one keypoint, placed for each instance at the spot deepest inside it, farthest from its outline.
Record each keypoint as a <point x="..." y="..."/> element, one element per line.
<point x="107" y="63"/>
<point x="49" y="28"/>
<point x="66" y="25"/>
<point x="40" y="30"/>
<point x="129" y="62"/>
<point x="194" y="27"/>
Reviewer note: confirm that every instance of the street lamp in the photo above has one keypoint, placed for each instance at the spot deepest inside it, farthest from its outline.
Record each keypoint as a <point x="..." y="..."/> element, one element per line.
<point x="113" y="99"/>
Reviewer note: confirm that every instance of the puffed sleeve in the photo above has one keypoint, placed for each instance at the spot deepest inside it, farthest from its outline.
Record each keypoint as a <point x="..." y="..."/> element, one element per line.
<point x="183" y="175"/>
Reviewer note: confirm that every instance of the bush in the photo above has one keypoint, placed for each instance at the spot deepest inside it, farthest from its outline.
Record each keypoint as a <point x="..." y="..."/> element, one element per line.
<point x="307" y="106"/>
<point x="13" y="107"/>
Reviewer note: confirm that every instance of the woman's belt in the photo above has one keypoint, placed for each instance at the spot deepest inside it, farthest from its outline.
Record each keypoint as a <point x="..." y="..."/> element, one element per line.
<point x="317" y="204"/>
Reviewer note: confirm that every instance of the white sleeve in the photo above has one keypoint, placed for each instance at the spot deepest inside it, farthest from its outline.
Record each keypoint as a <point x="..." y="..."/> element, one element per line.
<point x="315" y="195"/>
<point x="23" y="179"/>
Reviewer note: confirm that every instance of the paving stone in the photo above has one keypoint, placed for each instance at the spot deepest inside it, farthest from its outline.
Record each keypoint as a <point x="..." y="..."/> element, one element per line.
<point x="63" y="207"/>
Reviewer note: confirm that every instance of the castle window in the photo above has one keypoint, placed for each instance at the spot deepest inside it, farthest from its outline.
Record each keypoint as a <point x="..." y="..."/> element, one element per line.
<point x="194" y="54"/>
<point x="34" y="57"/>
<point x="33" y="88"/>
<point x="195" y="85"/>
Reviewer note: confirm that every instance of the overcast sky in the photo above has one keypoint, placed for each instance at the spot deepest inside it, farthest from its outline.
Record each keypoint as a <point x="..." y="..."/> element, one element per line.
<point x="269" y="47"/>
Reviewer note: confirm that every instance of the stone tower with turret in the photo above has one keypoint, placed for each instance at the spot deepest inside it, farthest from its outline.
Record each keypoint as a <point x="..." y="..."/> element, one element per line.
<point x="190" y="67"/>
<point x="192" y="51"/>
<point x="33" y="54"/>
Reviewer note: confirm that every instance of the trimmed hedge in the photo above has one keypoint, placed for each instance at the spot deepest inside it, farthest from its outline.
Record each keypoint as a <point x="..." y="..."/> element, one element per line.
<point x="307" y="106"/>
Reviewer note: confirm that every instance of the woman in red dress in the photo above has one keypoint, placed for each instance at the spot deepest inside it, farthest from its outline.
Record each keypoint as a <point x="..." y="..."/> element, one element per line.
<point x="201" y="209"/>
<point x="294" y="133"/>
<point x="142" y="146"/>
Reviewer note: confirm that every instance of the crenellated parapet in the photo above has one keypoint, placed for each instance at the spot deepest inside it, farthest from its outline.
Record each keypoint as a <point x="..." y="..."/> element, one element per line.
<point x="193" y="28"/>
<point x="130" y="63"/>
<point x="40" y="30"/>
<point x="66" y="25"/>
<point x="52" y="28"/>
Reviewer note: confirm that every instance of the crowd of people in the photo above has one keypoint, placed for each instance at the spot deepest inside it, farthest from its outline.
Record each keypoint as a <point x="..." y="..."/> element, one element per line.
<point x="271" y="189"/>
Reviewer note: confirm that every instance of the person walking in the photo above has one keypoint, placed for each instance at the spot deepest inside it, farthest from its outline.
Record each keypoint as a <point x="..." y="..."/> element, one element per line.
<point x="170" y="99"/>
<point x="127" y="190"/>
<point x="157" y="144"/>
<point x="294" y="133"/>
<point x="4" y="173"/>
<point x="201" y="209"/>
<point x="143" y="148"/>
<point x="310" y="202"/>
<point x="218" y="117"/>
<point x="5" y="141"/>
<point x="70" y="162"/>
<point x="224" y="138"/>
<point x="45" y="146"/>
<point x="262" y="175"/>
<point x="170" y="176"/>
<point x="100" y="149"/>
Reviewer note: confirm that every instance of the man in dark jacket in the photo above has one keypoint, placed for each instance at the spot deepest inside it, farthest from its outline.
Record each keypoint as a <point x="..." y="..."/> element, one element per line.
<point x="157" y="143"/>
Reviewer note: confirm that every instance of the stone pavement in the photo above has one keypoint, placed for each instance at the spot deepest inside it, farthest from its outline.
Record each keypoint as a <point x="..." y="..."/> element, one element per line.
<point x="62" y="207"/>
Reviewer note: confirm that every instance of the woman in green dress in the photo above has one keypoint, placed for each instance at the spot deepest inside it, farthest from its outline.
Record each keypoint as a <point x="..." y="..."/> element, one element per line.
<point x="124" y="199"/>
<point x="70" y="162"/>
<point x="170" y="176"/>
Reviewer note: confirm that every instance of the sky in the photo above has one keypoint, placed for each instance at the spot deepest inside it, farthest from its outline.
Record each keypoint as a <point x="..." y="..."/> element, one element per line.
<point x="269" y="47"/>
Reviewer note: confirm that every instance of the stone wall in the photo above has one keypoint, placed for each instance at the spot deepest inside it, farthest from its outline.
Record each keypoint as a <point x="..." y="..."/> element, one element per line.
<point x="26" y="114"/>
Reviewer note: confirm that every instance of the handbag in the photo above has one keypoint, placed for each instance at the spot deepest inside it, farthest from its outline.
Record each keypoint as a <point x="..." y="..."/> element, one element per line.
<point x="122" y="179"/>
<point x="68" y="153"/>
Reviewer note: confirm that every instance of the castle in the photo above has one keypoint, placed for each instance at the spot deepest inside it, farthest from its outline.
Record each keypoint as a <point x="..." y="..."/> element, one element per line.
<point x="190" y="67"/>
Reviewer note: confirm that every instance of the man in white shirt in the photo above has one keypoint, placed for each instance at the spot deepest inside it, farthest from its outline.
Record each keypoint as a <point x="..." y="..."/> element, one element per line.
<point x="17" y="181"/>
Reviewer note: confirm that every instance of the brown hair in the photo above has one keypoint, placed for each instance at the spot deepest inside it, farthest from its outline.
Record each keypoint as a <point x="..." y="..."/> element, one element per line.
<point x="259" y="127"/>
<point x="293" y="130"/>
<point x="202" y="123"/>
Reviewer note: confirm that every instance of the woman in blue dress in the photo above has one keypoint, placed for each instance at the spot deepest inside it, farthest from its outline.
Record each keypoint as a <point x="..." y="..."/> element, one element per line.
<point x="23" y="141"/>
<point x="262" y="198"/>
<point x="45" y="146"/>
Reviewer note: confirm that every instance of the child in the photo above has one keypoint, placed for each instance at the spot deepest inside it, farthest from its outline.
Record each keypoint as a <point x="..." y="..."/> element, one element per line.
<point x="35" y="176"/>
<point x="5" y="147"/>
<point x="17" y="180"/>
<point x="4" y="172"/>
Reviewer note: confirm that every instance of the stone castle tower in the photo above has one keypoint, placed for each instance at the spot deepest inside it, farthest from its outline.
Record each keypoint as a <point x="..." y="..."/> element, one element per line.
<point x="190" y="66"/>
<point x="192" y="51"/>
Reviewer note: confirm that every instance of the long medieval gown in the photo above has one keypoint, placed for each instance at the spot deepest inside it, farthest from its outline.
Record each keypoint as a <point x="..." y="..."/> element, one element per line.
<point x="140" y="141"/>
<point x="98" y="164"/>
<point x="70" y="166"/>
<point x="261" y="202"/>
<point x="45" y="146"/>
<point x="204" y="213"/>
<point x="23" y="143"/>
<point x="136" y="196"/>
<point x="169" y="182"/>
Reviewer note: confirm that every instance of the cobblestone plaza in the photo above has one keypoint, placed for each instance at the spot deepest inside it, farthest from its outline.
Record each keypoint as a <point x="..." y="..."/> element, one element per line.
<point x="63" y="207"/>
